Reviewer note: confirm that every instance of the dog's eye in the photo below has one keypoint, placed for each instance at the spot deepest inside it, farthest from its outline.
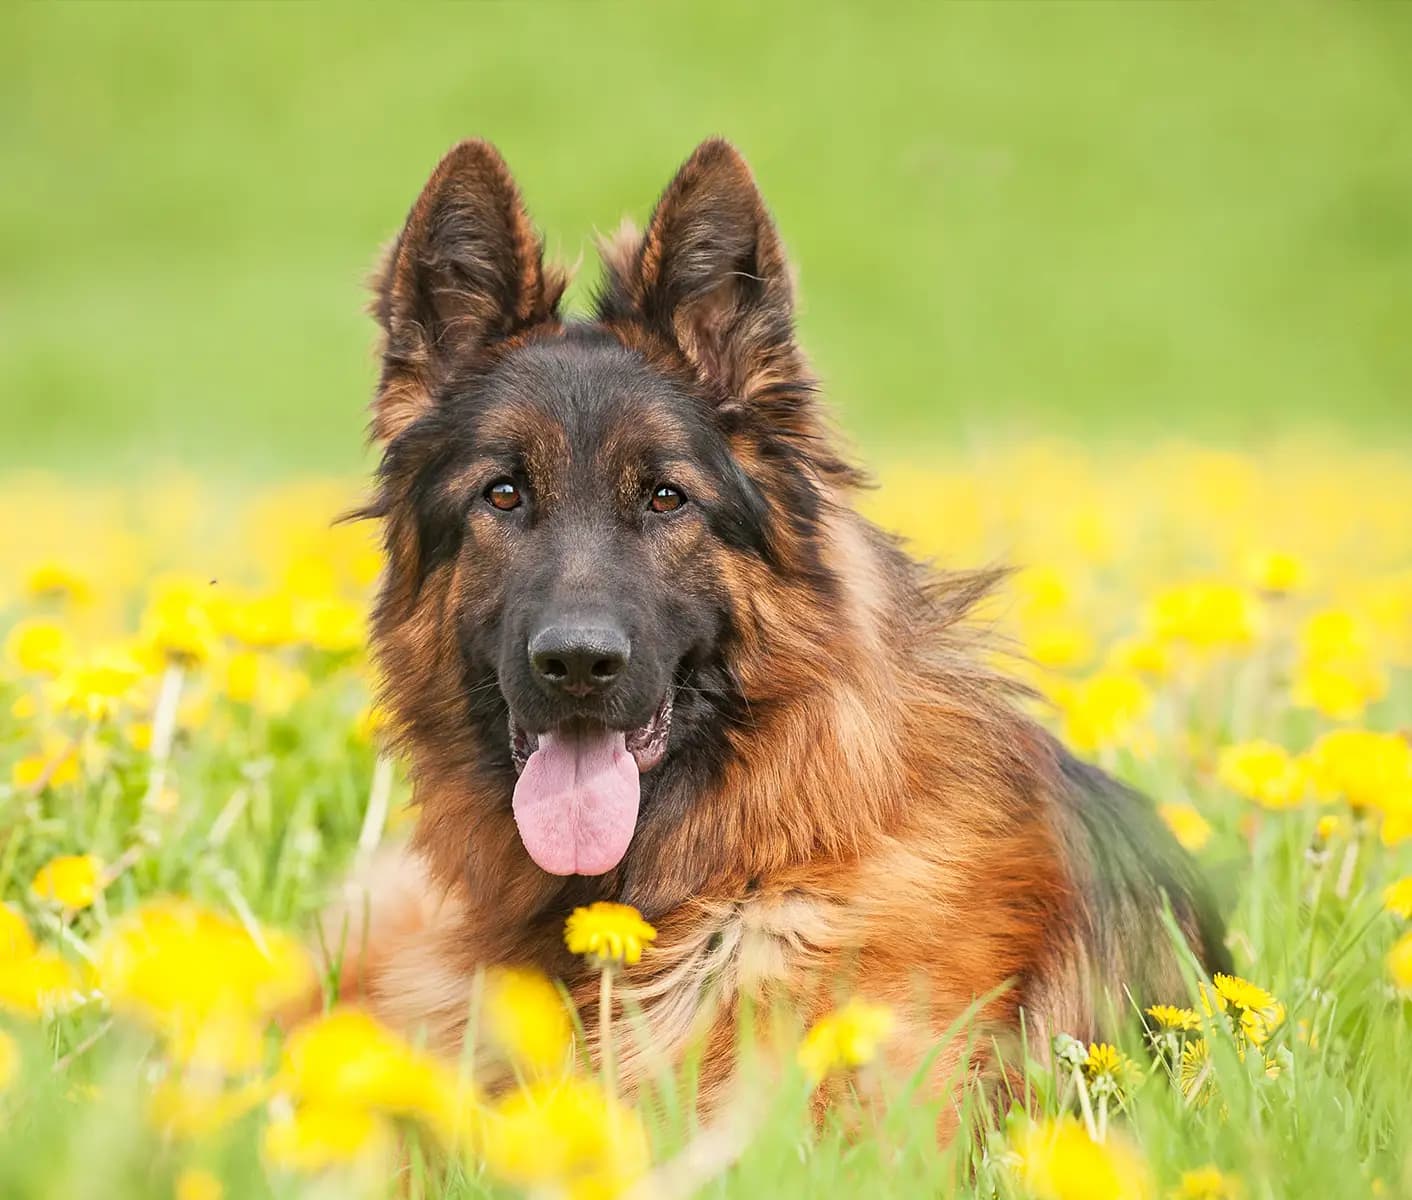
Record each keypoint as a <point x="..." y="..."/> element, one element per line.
<point x="666" y="499"/>
<point x="504" y="495"/>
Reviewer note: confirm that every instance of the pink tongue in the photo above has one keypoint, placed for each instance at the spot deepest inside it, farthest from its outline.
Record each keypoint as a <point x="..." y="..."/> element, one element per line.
<point x="576" y="802"/>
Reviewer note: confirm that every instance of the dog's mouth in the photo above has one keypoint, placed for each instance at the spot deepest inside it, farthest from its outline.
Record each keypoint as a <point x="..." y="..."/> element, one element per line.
<point x="579" y="787"/>
<point x="647" y="743"/>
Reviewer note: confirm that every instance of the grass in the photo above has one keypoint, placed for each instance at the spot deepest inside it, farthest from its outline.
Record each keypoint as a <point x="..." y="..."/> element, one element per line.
<point x="1182" y="608"/>
<point x="1024" y="232"/>
<point x="1020" y="217"/>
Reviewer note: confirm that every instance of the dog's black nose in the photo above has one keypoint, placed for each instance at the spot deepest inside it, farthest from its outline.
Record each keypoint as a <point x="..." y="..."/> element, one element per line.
<point x="579" y="659"/>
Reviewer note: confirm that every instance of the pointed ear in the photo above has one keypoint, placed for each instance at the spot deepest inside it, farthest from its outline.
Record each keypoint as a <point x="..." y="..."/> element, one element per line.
<point x="710" y="274"/>
<point x="467" y="270"/>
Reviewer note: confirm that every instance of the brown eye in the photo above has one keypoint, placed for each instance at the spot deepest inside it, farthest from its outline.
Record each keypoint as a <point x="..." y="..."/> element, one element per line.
<point x="666" y="499"/>
<point x="504" y="495"/>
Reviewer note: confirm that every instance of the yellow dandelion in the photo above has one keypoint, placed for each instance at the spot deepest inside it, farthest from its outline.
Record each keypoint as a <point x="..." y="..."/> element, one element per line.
<point x="39" y="646"/>
<point x="1397" y="898"/>
<point x="179" y="620"/>
<point x="1181" y="1020"/>
<point x="316" y="1137"/>
<point x="1399" y="964"/>
<point x="1187" y="824"/>
<point x="198" y="1106"/>
<point x="1276" y="571"/>
<point x="33" y="984"/>
<point x="1341" y="689"/>
<point x="203" y="981"/>
<point x="1207" y="1183"/>
<point x="845" y="1038"/>
<point x="195" y="1183"/>
<point x="332" y="625"/>
<point x="55" y="766"/>
<point x="1107" y="711"/>
<point x="71" y="880"/>
<point x="608" y="932"/>
<point x="1264" y="772"/>
<point x="1367" y="770"/>
<point x="1194" y="1072"/>
<point x="16" y="941"/>
<point x="1259" y="1013"/>
<point x="264" y="682"/>
<point x="57" y="581"/>
<point x="526" y="1018"/>
<point x="568" y="1138"/>
<point x="346" y="1059"/>
<point x="102" y="684"/>
<point x="1057" y="1160"/>
<point x="1206" y="616"/>
<point x="1141" y="655"/>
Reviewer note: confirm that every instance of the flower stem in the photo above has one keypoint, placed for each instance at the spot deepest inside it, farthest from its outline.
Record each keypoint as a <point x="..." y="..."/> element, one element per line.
<point x="605" y="1031"/>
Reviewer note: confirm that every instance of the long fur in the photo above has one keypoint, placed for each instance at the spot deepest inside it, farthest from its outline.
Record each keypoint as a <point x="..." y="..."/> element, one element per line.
<point x="874" y="813"/>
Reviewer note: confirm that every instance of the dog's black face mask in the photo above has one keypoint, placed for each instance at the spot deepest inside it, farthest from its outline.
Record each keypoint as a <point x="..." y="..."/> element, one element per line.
<point x="589" y="504"/>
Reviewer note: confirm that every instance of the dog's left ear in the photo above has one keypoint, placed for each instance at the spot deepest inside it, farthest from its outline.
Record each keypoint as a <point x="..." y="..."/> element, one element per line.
<point x="710" y="274"/>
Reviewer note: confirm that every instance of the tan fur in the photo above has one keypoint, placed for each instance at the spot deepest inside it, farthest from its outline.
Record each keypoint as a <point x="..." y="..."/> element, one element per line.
<point x="886" y="823"/>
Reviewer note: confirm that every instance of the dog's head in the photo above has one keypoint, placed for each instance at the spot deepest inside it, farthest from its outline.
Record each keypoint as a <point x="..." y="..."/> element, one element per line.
<point x="574" y="509"/>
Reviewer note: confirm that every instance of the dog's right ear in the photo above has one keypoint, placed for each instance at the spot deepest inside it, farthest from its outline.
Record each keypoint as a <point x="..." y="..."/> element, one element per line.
<point x="466" y="271"/>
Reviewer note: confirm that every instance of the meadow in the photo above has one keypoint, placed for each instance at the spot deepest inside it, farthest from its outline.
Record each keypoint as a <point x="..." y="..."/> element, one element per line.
<point x="192" y="762"/>
<point x="1113" y="294"/>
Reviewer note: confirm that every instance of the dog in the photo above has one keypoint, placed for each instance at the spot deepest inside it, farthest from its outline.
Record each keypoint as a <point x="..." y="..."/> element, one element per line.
<point x="637" y="645"/>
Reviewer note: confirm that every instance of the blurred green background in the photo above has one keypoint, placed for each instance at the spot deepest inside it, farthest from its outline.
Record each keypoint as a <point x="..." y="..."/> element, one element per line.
<point x="1108" y="219"/>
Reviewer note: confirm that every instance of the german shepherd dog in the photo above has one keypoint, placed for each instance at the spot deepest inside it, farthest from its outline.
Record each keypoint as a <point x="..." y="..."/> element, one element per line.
<point x="637" y="645"/>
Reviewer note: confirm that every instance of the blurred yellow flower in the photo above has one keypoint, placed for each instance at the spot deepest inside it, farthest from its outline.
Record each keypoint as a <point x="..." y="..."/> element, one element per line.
<point x="525" y="1016"/>
<point x="847" y="1037"/>
<point x="1188" y="826"/>
<point x="1141" y="655"/>
<point x="608" y="932"/>
<point x="71" y="880"/>
<point x="39" y="646"/>
<point x="316" y="1137"/>
<point x="1106" y="711"/>
<point x="1206" y="616"/>
<point x="57" y="581"/>
<point x="332" y="625"/>
<point x="194" y="1183"/>
<point x="179" y="620"/>
<point x="1337" y="673"/>
<point x="1057" y="1160"/>
<point x="16" y="941"/>
<point x="203" y="981"/>
<point x="33" y="984"/>
<point x="263" y="621"/>
<point x="199" y="1105"/>
<point x="101" y="684"/>
<point x="1399" y="964"/>
<point x="1276" y="571"/>
<point x="1397" y="898"/>
<point x="1264" y="772"/>
<point x="346" y="1059"/>
<point x="55" y="766"/>
<point x="264" y="682"/>
<point x="1057" y="645"/>
<point x="1369" y="771"/>
<point x="1207" y="1183"/>
<point x="568" y="1138"/>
